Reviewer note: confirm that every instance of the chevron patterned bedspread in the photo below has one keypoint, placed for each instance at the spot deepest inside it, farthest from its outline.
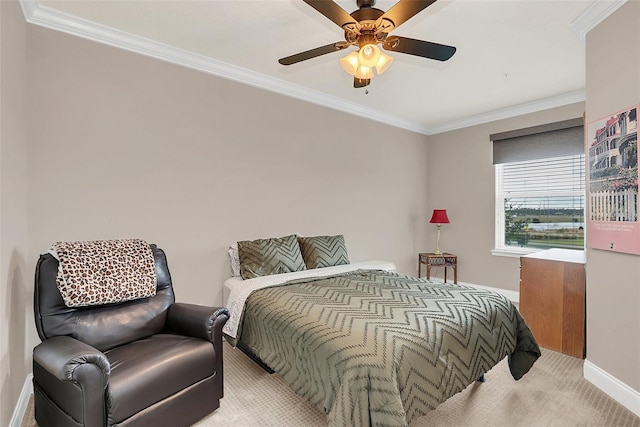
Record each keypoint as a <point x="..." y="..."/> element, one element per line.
<point x="379" y="348"/>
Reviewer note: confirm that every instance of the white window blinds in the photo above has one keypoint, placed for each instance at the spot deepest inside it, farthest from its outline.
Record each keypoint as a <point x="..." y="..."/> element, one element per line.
<point x="557" y="177"/>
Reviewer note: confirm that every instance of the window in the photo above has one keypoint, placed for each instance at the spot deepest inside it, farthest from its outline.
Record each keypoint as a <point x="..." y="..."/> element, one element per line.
<point x="540" y="204"/>
<point x="540" y="188"/>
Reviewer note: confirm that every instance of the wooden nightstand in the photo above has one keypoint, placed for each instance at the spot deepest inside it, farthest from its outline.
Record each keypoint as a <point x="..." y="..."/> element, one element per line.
<point x="444" y="259"/>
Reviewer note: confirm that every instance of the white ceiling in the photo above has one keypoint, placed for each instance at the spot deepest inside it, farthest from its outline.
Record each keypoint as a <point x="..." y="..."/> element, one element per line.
<point x="513" y="56"/>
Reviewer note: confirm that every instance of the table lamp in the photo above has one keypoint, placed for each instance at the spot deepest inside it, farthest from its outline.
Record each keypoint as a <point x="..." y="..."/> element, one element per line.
<point x="439" y="217"/>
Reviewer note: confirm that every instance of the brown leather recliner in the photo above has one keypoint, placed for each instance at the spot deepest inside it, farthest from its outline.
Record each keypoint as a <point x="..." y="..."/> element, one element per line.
<point x="147" y="362"/>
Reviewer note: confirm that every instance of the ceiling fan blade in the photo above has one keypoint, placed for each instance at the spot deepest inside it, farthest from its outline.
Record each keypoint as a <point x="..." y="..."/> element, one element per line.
<point x="308" y="54"/>
<point x="358" y="83"/>
<point x="422" y="48"/>
<point x="335" y="13"/>
<point x="403" y="10"/>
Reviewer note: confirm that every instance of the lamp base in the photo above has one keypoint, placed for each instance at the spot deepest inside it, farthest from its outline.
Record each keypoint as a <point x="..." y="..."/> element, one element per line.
<point x="438" y="251"/>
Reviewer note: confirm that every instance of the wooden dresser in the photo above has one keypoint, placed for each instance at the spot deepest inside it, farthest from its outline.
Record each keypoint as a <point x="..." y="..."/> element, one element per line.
<point x="552" y="299"/>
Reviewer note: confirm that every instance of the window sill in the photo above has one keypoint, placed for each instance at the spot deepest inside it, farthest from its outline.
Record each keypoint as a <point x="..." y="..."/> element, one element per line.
<point x="513" y="252"/>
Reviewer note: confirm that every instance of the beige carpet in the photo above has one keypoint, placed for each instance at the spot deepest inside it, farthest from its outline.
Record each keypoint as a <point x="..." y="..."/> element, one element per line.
<point x="553" y="393"/>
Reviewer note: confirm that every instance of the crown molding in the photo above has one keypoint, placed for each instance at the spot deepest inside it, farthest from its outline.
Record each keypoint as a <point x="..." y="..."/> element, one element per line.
<point x="593" y="15"/>
<point x="37" y="14"/>
<point x="512" y="111"/>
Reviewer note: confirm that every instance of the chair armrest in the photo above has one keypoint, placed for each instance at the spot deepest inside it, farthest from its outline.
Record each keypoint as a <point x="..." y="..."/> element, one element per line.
<point x="197" y="321"/>
<point x="62" y="360"/>
<point x="201" y="322"/>
<point x="63" y="356"/>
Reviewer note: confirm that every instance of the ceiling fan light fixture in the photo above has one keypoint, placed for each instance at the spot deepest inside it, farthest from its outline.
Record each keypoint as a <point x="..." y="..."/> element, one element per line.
<point x="364" y="72"/>
<point x="361" y="63"/>
<point x="350" y="63"/>
<point x="383" y="63"/>
<point x="369" y="54"/>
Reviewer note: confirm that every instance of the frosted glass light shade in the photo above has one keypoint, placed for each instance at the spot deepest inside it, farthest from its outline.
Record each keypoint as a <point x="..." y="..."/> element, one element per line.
<point x="383" y="63"/>
<point x="369" y="55"/>
<point x="364" y="72"/>
<point x="350" y="63"/>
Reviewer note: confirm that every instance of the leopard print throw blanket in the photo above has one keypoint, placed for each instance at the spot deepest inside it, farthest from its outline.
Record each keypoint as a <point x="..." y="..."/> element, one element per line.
<point x="104" y="271"/>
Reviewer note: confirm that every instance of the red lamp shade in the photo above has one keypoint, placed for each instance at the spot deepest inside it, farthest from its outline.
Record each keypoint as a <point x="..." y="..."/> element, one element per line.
<point x="439" y="217"/>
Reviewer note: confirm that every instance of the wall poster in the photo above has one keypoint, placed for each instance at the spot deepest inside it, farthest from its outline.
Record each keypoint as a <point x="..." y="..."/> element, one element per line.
<point x="612" y="165"/>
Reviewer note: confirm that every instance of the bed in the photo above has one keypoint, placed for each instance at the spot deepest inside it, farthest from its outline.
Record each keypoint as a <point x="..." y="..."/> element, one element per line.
<point x="370" y="346"/>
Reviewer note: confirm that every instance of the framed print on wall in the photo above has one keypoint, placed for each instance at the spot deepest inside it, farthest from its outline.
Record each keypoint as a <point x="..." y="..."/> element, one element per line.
<point x="612" y="165"/>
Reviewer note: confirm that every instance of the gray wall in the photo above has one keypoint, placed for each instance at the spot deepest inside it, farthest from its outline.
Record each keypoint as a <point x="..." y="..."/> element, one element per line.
<point x="123" y="145"/>
<point x="461" y="179"/>
<point x="613" y="279"/>
<point x="15" y="268"/>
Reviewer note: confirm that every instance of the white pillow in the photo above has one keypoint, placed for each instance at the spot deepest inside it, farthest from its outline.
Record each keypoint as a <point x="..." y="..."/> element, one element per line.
<point x="234" y="259"/>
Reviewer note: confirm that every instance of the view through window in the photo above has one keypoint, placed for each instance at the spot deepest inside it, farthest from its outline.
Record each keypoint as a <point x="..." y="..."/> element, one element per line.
<point x="540" y="203"/>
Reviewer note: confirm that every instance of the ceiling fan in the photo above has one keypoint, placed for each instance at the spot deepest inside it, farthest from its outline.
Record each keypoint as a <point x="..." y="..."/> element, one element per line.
<point x="367" y="28"/>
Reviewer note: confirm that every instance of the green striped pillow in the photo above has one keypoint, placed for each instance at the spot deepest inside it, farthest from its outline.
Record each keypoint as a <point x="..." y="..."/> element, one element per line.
<point x="323" y="251"/>
<point x="264" y="257"/>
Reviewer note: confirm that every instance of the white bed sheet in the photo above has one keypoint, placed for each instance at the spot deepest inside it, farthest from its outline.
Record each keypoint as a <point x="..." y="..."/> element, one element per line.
<point x="236" y="290"/>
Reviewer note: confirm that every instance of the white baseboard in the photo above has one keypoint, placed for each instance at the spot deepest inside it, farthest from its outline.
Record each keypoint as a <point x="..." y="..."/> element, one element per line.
<point x="616" y="389"/>
<point x="23" y="402"/>
<point x="514" y="296"/>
